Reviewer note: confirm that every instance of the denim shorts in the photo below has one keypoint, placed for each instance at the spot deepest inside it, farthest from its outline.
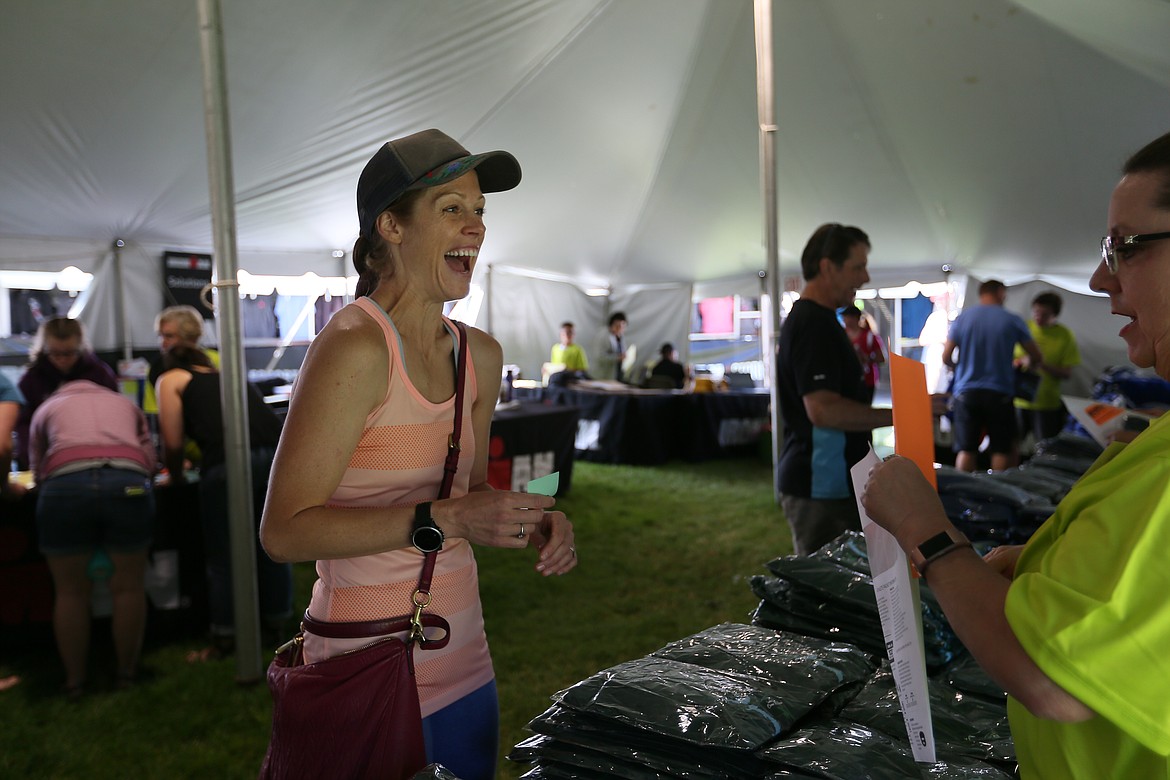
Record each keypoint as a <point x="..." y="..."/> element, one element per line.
<point x="103" y="507"/>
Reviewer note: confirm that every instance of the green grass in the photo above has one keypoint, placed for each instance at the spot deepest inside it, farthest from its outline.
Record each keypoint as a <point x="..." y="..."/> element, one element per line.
<point x="664" y="552"/>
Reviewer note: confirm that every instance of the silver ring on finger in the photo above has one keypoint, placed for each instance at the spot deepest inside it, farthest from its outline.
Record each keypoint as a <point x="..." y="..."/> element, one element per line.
<point x="573" y="550"/>
<point x="521" y="535"/>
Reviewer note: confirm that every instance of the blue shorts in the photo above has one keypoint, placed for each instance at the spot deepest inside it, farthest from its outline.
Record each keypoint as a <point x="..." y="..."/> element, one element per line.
<point x="103" y="507"/>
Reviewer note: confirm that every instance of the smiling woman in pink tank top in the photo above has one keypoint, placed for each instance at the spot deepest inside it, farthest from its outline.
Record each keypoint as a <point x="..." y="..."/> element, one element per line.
<point x="366" y="435"/>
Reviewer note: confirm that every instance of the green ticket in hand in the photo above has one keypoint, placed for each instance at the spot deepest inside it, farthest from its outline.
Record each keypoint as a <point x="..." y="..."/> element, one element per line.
<point x="546" y="485"/>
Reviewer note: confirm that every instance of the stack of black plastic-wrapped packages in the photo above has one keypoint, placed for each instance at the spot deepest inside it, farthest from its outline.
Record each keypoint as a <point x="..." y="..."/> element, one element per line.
<point x="1006" y="507"/>
<point x="829" y="594"/>
<point x="803" y="692"/>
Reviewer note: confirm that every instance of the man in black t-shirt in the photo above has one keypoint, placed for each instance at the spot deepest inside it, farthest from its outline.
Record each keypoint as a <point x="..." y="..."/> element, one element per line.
<point x="823" y="399"/>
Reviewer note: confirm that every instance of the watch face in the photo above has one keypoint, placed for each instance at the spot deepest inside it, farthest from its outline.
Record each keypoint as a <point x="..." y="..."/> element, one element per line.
<point x="428" y="539"/>
<point x="936" y="544"/>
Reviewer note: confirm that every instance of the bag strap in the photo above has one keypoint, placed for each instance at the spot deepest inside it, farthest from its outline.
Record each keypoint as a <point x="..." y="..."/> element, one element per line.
<point x="451" y="465"/>
<point x="359" y="629"/>
<point x="421" y="597"/>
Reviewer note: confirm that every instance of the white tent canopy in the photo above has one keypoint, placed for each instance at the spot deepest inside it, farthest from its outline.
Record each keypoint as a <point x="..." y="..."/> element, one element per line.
<point x="981" y="133"/>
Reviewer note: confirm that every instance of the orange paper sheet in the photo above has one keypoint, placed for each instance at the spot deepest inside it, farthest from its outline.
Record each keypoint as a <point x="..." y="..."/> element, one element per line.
<point x="913" y="425"/>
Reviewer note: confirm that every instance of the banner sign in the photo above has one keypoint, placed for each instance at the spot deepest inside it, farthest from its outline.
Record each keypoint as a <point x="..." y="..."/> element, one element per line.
<point x="184" y="277"/>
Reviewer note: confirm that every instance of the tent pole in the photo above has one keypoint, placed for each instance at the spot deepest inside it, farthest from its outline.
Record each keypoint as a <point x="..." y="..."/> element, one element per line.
<point x="487" y="294"/>
<point x="765" y="94"/>
<point x="242" y="529"/>
<point x="120" y="302"/>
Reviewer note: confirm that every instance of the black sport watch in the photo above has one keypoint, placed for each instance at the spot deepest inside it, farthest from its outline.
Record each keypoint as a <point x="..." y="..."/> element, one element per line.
<point x="426" y="536"/>
<point x="936" y="547"/>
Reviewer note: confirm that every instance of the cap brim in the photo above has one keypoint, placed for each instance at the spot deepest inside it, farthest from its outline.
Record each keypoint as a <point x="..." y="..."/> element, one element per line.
<point x="498" y="171"/>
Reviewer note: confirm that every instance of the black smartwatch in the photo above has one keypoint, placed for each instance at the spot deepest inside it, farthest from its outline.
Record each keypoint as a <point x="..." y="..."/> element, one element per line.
<point x="936" y="547"/>
<point x="426" y="536"/>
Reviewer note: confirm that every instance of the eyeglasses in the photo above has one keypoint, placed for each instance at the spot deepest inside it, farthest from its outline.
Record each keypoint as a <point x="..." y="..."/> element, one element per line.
<point x="64" y="353"/>
<point x="1111" y="244"/>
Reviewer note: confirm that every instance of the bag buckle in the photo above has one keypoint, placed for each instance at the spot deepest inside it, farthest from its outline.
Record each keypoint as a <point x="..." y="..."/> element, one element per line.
<point x="296" y="641"/>
<point x="421" y="600"/>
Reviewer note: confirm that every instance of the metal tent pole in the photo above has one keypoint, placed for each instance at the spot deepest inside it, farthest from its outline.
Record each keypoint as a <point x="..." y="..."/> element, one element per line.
<point x="765" y="109"/>
<point x="120" y="302"/>
<point x="242" y="533"/>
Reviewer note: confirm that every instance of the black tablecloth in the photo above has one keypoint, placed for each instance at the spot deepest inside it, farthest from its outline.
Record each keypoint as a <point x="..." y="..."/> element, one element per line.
<point x="532" y="440"/>
<point x="649" y="427"/>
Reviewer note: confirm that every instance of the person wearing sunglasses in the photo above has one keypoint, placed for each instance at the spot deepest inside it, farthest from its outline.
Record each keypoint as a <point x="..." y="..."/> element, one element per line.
<point x="60" y="353"/>
<point x="1075" y="624"/>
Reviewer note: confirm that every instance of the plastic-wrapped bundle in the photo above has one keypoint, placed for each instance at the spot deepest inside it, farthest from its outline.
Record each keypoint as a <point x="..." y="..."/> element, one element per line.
<point x="807" y="667"/>
<point x="966" y="675"/>
<point x="632" y="745"/>
<point x="687" y="702"/>
<point x="817" y="597"/>
<point x="550" y="752"/>
<point x="964" y="725"/>
<point x="847" y="550"/>
<point x="992" y="507"/>
<point x="435" y="772"/>
<point x="556" y="771"/>
<point x="1058" y="478"/>
<point x="839" y="750"/>
<point x="1028" y="522"/>
<point x="697" y="707"/>
<point x="1071" y="464"/>
<point x="715" y="707"/>
<point x="821" y="604"/>
<point x="978" y="520"/>
<point x="984" y="487"/>
<point x="1047" y="483"/>
<point x="768" y="615"/>
<point x="962" y="769"/>
<point x="1066" y="443"/>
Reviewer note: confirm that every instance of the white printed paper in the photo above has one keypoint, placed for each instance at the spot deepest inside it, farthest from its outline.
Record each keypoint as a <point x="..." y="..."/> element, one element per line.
<point x="1099" y="418"/>
<point x="901" y="616"/>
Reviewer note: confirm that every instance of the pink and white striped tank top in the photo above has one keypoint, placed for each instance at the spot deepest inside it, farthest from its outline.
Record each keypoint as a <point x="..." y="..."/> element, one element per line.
<point x="397" y="463"/>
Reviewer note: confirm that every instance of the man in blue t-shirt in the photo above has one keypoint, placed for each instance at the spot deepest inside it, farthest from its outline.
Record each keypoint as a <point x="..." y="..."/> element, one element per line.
<point x="986" y="337"/>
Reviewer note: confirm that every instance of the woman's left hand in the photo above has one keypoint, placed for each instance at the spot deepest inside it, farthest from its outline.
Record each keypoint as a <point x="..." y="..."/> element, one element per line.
<point x="899" y="499"/>
<point x="554" y="538"/>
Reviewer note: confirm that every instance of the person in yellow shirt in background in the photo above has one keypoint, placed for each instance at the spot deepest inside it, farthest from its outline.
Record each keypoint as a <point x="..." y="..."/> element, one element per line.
<point x="568" y="354"/>
<point x="1045" y="415"/>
